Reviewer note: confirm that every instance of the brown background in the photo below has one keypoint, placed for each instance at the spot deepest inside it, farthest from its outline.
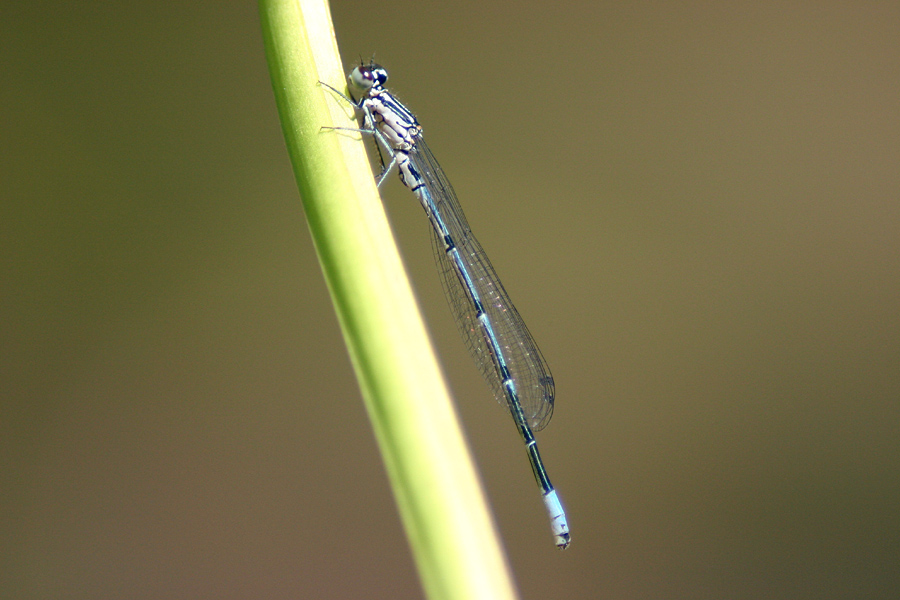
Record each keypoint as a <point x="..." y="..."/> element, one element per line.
<point x="696" y="207"/>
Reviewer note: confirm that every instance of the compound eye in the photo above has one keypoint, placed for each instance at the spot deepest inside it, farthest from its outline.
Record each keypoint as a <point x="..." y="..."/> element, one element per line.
<point x="362" y="78"/>
<point x="365" y="77"/>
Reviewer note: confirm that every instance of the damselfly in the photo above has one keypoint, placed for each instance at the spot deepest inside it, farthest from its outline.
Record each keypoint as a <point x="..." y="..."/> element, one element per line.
<point x="490" y="325"/>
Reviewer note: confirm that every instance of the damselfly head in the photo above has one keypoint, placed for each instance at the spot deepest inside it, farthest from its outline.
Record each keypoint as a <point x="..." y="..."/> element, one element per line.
<point x="366" y="77"/>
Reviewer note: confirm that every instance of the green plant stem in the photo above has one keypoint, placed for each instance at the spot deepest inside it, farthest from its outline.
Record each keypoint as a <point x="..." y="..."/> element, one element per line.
<point x="441" y="503"/>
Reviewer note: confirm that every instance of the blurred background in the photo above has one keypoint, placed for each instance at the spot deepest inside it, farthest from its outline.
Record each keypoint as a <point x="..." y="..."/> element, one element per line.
<point x="695" y="207"/>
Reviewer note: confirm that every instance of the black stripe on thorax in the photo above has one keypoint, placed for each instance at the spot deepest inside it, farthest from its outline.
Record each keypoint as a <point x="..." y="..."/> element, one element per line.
<point x="394" y="106"/>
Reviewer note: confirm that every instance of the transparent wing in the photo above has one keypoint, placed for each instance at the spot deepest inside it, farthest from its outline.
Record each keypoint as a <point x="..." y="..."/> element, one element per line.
<point x="526" y="364"/>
